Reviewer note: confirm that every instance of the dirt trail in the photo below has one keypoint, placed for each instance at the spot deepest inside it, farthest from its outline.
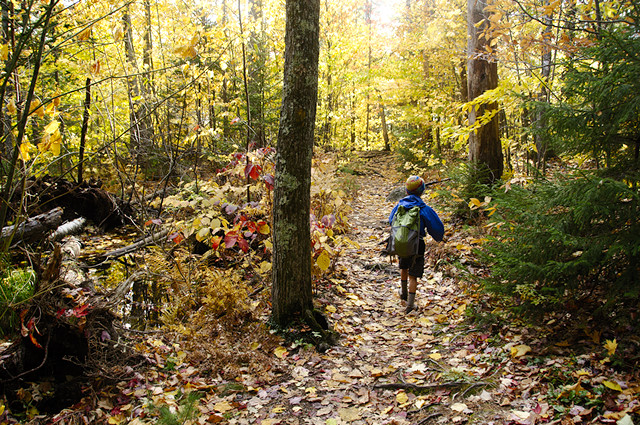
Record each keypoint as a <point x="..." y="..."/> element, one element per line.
<point x="388" y="367"/>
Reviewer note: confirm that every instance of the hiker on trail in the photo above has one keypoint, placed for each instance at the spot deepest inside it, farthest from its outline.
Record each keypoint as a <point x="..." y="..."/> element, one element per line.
<point x="412" y="267"/>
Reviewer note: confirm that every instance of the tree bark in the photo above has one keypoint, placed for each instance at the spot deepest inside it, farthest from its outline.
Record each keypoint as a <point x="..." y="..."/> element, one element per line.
<point x="291" y="291"/>
<point x="482" y="74"/>
<point x="85" y="127"/>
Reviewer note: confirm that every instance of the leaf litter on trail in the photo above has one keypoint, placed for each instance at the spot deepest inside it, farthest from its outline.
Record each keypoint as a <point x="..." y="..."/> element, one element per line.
<point x="388" y="367"/>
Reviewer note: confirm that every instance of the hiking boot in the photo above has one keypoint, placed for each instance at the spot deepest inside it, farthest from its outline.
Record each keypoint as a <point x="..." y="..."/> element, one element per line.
<point x="411" y="299"/>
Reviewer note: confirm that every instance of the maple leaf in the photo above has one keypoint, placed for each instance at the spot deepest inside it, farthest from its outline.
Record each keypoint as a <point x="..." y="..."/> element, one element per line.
<point x="611" y="346"/>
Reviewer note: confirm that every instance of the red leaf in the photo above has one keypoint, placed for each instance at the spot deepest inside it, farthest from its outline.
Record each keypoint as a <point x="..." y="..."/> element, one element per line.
<point x="215" y="242"/>
<point x="253" y="171"/>
<point x="80" y="311"/>
<point x="33" y="340"/>
<point x="243" y="244"/>
<point x="230" y="240"/>
<point x="251" y="226"/>
<point x="176" y="237"/>
<point x="156" y="221"/>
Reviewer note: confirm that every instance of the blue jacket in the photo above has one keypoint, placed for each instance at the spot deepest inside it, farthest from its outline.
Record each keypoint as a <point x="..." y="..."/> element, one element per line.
<point x="429" y="220"/>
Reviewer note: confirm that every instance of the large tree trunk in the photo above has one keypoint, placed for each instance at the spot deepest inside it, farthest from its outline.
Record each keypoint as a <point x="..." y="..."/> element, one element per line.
<point x="291" y="292"/>
<point x="482" y="75"/>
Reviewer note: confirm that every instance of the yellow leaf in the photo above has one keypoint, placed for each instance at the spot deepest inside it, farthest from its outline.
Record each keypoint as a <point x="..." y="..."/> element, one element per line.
<point x="36" y="107"/>
<point x="52" y="127"/>
<point x="280" y="352"/>
<point x="331" y="309"/>
<point x="118" y="33"/>
<point x="265" y="267"/>
<point x="612" y="385"/>
<point x="202" y="234"/>
<point x="4" y="54"/>
<point x="11" y="106"/>
<point x="263" y="228"/>
<point x="56" y="98"/>
<point x="56" y="143"/>
<point x="611" y="346"/>
<point x="24" y="151"/>
<point x="435" y="356"/>
<point x="520" y="350"/>
<point x="474" y="203"/>
<point x="85" y="34"/>
<point x="323" y="261"/>
<point x="402" y="397"/>
<point x="1" y="408"/>
<point x="222" y="407"/>
<point x="114" y="420"/>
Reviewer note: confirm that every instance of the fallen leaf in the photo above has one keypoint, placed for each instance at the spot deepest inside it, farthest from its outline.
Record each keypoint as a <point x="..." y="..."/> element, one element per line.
<point x="611" y="346"/>
<point x="349" y="414"/>
<point x="612" y="385"/>
<point x="280" y="352"/>
<point x="459" y="407"/>
<point x="520" y="350"/>
<point x="222" y="407"/>
<point x="402" y="397"/>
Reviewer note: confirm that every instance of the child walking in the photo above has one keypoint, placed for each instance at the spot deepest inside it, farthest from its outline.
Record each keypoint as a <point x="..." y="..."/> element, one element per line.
<point x="412" y="268"/>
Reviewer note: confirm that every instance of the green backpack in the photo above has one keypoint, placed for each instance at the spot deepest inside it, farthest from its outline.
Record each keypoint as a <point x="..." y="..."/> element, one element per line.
<point x="405" y="232"/>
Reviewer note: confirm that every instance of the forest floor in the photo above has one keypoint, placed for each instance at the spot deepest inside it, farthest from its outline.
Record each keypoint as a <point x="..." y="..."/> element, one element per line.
<point x="452" y="360"/>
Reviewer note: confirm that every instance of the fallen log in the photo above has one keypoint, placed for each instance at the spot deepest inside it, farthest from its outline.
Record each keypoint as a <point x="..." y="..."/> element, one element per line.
<point x="87" y="200"/>
<point x="34" y="228"/>
<point x="152" y="239"/>
<point x="70" y="228"/>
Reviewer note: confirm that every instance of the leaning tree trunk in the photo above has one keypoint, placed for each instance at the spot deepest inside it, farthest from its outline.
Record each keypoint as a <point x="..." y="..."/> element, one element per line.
<point x="291" y="292"/>
<point x="485" y="148"/>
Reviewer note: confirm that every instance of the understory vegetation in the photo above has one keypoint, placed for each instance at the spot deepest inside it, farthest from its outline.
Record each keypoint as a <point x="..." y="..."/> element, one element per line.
<point x="137" y="164"/>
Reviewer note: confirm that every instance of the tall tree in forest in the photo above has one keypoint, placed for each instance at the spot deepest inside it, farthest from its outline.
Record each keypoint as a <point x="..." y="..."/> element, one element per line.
<point x="485" y="149"/>
<point x="291" y="292"/>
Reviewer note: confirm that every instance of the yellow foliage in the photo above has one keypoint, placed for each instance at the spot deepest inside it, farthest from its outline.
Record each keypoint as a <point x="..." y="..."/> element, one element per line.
<point x="611" y="346"/>
<point x="84" y="34"/>
<point x="35" y="107"/>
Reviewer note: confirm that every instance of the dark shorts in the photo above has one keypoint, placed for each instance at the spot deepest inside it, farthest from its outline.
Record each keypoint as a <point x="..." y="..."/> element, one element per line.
<point x="415" y="264"/>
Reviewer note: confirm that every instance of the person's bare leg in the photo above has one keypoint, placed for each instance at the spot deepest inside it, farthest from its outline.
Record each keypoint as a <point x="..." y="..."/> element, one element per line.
<point x="413" y="286"/>
<point x="404" y="275"/>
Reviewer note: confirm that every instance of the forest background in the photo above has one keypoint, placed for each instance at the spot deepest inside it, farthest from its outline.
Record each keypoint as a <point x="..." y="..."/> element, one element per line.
<point x="174" y="109"/>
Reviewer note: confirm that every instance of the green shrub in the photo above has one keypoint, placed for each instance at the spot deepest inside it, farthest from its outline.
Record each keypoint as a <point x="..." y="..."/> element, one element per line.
<point x="574" y="242"/>
<point x="16" y="288"/>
